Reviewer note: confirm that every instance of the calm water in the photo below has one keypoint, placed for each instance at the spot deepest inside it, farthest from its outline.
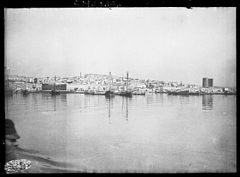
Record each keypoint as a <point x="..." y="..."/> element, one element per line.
<point x="152" y="133"/>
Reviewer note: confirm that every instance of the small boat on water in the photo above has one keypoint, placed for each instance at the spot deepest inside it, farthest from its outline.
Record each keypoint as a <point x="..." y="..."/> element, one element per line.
<point x="94" y="92"/>
<point x="138" y="93"/>
<point x="25" y="92"/>
<point x="109" y="94"/>
<point x="55" y="92"/>
<point x="126" y="93"/>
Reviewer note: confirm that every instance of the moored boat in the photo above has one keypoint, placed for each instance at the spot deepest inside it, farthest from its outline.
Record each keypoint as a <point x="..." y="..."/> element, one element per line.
<point x="25" y="92"/>
<point x="138" y="93"/>
<point x="127" y="92"/>
<point x="109" y="94"/>
<point x="55" y="92"/>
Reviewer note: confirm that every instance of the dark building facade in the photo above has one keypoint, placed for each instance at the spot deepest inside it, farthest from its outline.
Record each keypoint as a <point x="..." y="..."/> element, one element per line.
<point x="210" y="82"/>
<point x="51" y="86"/>
<point x="207" y="82"/>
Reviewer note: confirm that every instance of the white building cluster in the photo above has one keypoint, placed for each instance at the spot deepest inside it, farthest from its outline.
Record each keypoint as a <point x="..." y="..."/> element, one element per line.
<point x="105" y="82"/>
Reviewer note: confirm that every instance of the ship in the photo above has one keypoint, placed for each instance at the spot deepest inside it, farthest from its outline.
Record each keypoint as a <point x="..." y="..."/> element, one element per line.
<point x="127" y="92"/>
<point x="109" y="93"/>
<point x="25" y="92"/>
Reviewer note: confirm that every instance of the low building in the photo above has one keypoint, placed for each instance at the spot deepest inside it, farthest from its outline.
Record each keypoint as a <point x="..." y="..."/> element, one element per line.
<point x="51" y="86"/>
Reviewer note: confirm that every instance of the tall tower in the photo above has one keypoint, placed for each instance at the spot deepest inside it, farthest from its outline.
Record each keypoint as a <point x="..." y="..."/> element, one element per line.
<point x="205" y="82"/>
<point x="210" y="82"/>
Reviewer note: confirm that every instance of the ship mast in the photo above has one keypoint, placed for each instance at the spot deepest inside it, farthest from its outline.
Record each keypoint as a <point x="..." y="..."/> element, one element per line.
<point x="54" y="85"/>
<point x="127" y="80"/>
<point x="110" y="85"/>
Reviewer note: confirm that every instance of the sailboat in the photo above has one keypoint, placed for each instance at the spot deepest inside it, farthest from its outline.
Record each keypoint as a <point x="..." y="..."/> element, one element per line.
<point x="127" y="92"/>
<point x="54" y="91"/>
<point x="25" y="92"/>
<point x="109" y="93"/>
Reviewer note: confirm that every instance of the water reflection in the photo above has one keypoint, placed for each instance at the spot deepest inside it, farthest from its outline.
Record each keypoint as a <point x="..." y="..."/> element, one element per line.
<point x="127" y="99"/>
<point x="127" y="109"/>
<point x="149" y="98"/>
<point x="110" y="103"/>
<point x="26" y="102"/>
<point x="54" y="103"/>
<point x="207" y="102"/>
<point x="63" y="101"/>
<point x="7" y="99"/>
<point x="63" y="97"/>
<point x="125" y="103"/>
<point x="184" y="99"/>
<point x="69" y="135"/>
<point x="160" y="98"/>
<point x="45" y="96"/>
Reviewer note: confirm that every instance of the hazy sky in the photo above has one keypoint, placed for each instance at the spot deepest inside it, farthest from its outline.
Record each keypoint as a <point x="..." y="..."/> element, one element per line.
<point x="170" y="44"/>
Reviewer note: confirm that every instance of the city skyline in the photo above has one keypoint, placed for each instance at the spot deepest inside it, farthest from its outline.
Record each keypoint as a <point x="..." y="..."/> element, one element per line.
<point x="105" y="76"/>
<point x="169" y="44"/>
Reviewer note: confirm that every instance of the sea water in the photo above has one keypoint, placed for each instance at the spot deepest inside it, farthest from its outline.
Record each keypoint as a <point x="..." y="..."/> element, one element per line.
<point x="155" y="133"/>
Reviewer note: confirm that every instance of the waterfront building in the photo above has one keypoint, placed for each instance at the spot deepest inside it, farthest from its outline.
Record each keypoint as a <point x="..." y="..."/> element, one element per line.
<point x="210" y="82"/>
<point x="205" y="82"/>
<point x="51" y="86"/>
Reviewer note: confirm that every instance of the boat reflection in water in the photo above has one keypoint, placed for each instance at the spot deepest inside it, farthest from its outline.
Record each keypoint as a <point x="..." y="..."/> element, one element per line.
<point x="207" y="102"/>
<point x="109" y="101"/>
<point x="109" y="94"/>
<point x="125" y="103"/>
<point x="25" y="92"/>
<point x="125" y="99"/>
<point x="156" y="133"/>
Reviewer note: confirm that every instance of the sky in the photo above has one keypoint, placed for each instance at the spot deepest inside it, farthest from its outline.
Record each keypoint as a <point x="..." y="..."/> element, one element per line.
<point x="167" y="44"/>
